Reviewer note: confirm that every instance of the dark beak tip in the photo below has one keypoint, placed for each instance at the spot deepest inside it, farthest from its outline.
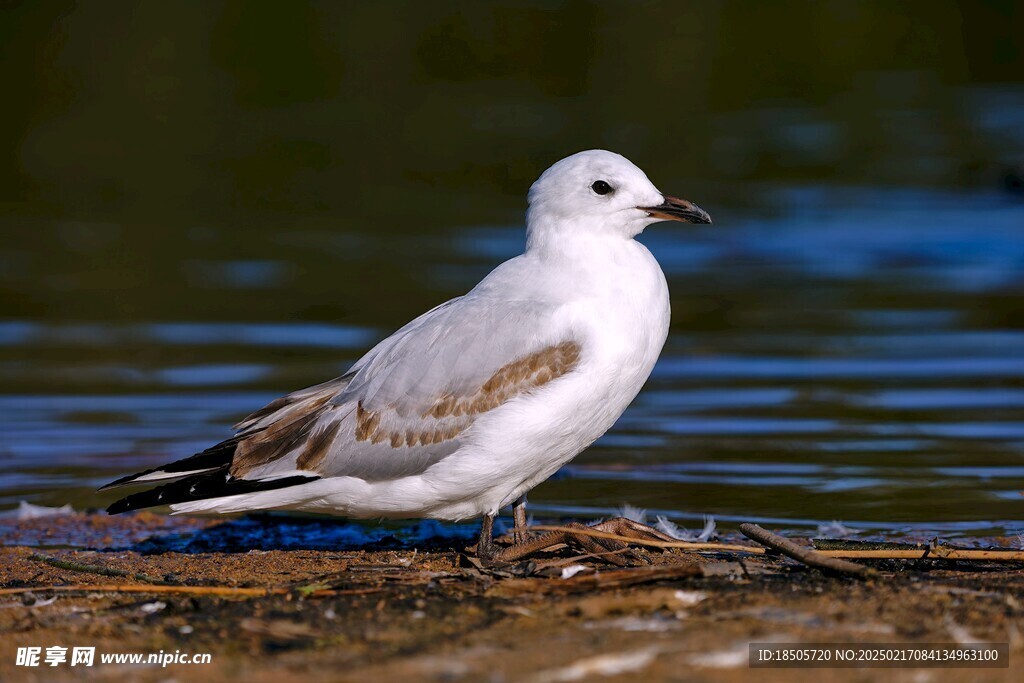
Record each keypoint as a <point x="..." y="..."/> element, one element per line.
<point x="674" y="209"/>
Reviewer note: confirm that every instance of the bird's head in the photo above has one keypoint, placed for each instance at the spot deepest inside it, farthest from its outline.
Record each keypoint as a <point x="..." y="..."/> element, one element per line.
<point x="604" y="192"/>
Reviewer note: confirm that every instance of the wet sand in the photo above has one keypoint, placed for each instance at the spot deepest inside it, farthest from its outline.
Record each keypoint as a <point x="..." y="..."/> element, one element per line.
<point x="388" y="611"/>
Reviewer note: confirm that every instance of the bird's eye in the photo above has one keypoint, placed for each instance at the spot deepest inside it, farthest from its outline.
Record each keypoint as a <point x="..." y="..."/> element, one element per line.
<point x="601" y="187"/>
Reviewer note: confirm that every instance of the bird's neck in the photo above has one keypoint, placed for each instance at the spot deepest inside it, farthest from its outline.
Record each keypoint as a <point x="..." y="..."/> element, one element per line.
<point x="570" y="239"/>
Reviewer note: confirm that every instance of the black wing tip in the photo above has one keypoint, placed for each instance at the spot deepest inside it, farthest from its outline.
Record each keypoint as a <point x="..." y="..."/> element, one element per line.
<point x="201" y="487"/>
<point x="123" y="481"/>
<point x="119" y="506"/>
<point x="218" y="456"/>
<point x="137" y="501"/>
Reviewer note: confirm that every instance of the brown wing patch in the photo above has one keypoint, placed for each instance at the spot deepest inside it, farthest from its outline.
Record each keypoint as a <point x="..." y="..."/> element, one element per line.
<point x="519" y="376"/>
<point x="318" y="447"/>
<point x="329" y="388"/>
<point x="366" y="423"/>
<point x="450" y="415"/>
<point x="281" y="436"/>
<point x="295" y="417"/>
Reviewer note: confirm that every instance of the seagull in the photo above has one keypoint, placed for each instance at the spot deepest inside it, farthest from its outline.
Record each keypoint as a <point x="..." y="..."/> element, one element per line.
<point x="464" y="410"/>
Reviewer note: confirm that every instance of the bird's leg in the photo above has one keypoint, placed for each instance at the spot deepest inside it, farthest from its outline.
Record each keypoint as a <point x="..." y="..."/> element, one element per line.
<point x="520" y="532"/>
<point x="492" y="556"/>
<point x="485" y="549"/>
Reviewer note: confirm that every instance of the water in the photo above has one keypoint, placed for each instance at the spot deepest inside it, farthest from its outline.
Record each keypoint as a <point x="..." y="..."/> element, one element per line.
<point x="210" y="208"/>
<point x="829" y="362"/>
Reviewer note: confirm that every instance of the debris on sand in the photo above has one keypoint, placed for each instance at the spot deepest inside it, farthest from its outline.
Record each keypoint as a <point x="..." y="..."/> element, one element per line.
<point x="835" y="529"/>
<point x="27" y="510"/>
<point x="666" y="526"/>
<point x="601" y="665"/>
<point x="730" y="658"/>
<point x="397" y="609"/>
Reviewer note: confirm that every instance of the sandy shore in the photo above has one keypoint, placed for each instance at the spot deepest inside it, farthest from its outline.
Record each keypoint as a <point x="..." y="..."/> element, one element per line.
<point x="392" y="612"/>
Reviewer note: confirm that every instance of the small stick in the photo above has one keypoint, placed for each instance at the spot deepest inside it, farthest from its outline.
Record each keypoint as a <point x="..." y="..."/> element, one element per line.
<point x="808" y="556"/>
<point x="935" y="553"/>
<point x="947" y="553"/>
<point x="618" y="578"/>
<point x="184" y="590"/>
<point x="887" y="550"/>
<point x="686" y="545"/>
<point x="127" y="588"/>
<point x="96" y="569"/>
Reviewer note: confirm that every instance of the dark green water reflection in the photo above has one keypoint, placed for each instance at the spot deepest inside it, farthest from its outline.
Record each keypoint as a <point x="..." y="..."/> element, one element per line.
<point x="207" y="204"/>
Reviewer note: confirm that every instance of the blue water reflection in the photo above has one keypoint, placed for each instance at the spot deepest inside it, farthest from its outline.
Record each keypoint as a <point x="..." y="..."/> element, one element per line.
<point x="835" y="354"/>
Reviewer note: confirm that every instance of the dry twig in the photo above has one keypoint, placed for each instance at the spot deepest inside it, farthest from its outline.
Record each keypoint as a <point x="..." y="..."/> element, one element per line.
<point x="96" y="569"/>
<point x="229" y="591"/>
<point x="617" y="578"/>
<point x="684" y="545"/>
<point x="808" y="556"/>
<point x="866" y="550"/>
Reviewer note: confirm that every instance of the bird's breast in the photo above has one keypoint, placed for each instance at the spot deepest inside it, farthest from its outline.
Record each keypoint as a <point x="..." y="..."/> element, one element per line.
<point x="627" y="320"/>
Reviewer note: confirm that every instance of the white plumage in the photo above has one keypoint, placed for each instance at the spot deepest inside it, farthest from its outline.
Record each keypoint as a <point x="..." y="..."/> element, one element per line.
<point x="471" y="405"/>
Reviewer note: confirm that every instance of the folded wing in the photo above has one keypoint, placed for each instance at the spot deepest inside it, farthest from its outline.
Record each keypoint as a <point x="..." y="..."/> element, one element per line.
<point x="407" y="404"/>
